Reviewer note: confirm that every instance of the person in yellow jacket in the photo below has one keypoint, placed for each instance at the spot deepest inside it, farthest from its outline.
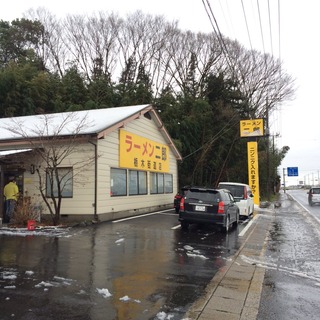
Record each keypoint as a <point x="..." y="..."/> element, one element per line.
<point x="11" y="194"/>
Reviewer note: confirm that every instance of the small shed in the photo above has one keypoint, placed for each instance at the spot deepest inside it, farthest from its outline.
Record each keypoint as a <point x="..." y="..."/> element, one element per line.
<point x="117" y="162"/>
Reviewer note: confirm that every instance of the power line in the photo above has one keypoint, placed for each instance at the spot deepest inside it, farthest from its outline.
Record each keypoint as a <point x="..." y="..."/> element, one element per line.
<point x="245" y="18"/>
<point x="224" y="129"/>
<point x="279" y="24"/>
<point x="228" y="21"/>
<point x="261" y="31"/>
<point x="270" y="29"/>
<point x="218" y="33"/>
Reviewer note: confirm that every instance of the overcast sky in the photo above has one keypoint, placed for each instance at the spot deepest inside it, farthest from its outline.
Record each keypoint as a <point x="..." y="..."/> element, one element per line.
<point x="292" y="36"/>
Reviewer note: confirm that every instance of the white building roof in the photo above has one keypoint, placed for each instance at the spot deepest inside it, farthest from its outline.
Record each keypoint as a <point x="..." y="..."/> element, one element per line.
<point x="65" y="123"/>
<point x="10" y="152"/>
<point x="96" y="122"/>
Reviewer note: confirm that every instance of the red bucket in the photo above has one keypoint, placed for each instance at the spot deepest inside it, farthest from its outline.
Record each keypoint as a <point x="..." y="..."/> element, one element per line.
<point x="31" y="224"/>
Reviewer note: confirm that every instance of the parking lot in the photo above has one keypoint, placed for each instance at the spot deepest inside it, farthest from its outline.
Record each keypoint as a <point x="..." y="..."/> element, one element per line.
<point x="143" y="268"/>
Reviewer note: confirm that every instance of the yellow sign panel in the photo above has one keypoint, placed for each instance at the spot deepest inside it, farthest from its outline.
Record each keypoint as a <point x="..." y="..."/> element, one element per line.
<point x="253" y="170"/>
<point x="140" y="153"/>
<point x="251" y="128"/>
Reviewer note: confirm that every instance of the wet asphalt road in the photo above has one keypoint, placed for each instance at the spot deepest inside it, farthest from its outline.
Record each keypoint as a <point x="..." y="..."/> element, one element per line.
<point x="143" y="268"/>
<point x="291" y="288"/>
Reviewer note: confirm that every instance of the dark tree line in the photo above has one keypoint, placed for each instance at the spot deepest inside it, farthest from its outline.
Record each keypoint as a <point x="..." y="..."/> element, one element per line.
<point x="79" y="63"/>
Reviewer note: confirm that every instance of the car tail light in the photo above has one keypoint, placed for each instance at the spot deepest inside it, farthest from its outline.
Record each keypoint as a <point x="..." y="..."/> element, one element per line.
<point x="221" y="207"/>
<point x="182" y="204"/>
<point x="245" y="196"/>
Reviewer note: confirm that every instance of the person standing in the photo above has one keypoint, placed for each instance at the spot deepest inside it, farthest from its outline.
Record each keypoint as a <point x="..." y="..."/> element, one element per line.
<point x="11" y="193"/>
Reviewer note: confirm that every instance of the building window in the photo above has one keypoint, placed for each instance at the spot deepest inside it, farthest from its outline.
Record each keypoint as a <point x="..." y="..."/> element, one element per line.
<point x="137" y="182"/>
<point x="118" y="182"/>
<point x="160" y="183"/>
<point x="156" y="182"/>
<point x="65" y="182"/>
<point x="168" y="183"/>
<point x="153" y="183"/>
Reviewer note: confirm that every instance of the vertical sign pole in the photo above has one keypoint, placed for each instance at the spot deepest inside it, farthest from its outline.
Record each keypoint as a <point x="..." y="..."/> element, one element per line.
<point x="253" y="170"/>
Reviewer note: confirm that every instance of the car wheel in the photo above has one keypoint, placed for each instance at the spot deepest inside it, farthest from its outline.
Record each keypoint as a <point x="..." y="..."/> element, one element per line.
<point x="184" y="225"/>
<point x="227" y="226"/>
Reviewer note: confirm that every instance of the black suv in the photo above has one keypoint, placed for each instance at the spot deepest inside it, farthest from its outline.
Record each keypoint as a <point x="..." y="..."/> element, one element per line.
<point x="205" y="205"/>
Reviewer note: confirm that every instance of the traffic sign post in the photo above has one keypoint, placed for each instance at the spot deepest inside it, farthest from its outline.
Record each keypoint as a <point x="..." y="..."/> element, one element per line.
<point x="292" y="171"/>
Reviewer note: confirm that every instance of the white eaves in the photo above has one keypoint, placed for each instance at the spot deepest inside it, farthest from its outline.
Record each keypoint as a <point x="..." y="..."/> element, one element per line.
<point x="65" y="123"/>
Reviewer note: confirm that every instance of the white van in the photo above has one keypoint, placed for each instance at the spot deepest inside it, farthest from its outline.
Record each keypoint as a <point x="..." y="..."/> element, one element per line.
<point x="242" y="194"/>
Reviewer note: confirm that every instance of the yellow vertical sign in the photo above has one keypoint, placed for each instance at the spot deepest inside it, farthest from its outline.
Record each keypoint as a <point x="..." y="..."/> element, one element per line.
<point x="253" y="170"/>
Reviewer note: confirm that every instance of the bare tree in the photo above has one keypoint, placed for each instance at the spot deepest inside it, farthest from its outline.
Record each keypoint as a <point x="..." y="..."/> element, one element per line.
<point x="169" y="56"/>
<point x="56" y="140"/>
<point x="260" y="78"/>
<point x="54" y="52"/>
<point x="187" y="53"/>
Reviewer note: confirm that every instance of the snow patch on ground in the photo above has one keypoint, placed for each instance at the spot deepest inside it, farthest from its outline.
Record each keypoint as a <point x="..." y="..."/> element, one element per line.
<point x="39" y="231"/>
<point x="104" y="292"/>
<point x="10" y="287"/>
<point x="9" y="275"/>
<point x="164" y="316"/>
<point x="192" y="253"/>
<point x="44" y="284"/>
<point x="29" y="272"/>
<point x="127" y="299"/>
<point x="272" y="265"/>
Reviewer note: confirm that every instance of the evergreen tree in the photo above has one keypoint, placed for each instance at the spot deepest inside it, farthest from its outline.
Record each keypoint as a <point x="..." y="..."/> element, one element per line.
<point x="74" y="90"/>
<point x="101" y="90"/>
<point x="20" y="38"/>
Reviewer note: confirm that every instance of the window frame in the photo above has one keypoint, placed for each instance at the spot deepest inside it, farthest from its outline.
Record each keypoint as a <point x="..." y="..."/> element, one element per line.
<point x="156" y="183"/>
<point x="135" y="176"/>
<point x="168" y="183"/>
<point x="63" y="184"/>
<point x="124" y="190"/>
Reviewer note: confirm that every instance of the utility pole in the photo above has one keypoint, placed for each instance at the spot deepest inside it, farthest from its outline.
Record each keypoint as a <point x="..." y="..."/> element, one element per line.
<point x="268" y="155"/>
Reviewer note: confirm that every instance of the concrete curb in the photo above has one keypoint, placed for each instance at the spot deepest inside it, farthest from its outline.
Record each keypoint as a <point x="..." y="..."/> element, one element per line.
<point x="234" y="292"/>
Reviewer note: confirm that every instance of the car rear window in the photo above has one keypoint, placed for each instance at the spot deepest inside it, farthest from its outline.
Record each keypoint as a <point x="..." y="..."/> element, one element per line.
<point x="316" y="191"/>
<point x="237" y="191"/>
<point x="204" y="195"/>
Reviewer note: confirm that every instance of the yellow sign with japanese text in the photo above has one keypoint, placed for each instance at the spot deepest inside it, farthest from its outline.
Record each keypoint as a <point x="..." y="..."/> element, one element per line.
<point x="253" y="170"/>
<point x="251" y="128"/>
<point x="140" y="153"/>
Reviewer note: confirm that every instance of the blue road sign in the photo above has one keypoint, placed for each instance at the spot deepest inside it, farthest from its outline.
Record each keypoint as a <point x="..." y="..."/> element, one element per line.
<point x="292" y="171"/>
